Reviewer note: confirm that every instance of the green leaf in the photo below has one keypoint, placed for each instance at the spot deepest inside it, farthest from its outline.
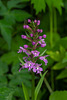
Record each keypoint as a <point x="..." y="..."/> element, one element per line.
<point x="58" y="4"/>
<point x="42" y="53"/>
<point x="65" y="58"/>
<point x="59" y="66"/>
<point x="54" y="55"/>
<point x="20" y="15"/>
<point x="25" y="92"/>
<point x="6" y="93"/>
<point x="3" y="68"/>
<point x="10" y="57"/>
<point x="56" y="38"/>
<point x="21" y="61"/>
<point x="27" y="34"/>
<point x="62" y="52"/>
<point x="19" y="43"/>
<point x="16" y="78"/>
<point x="39" y="5"/>
<point x="49" y="3"/>
<point x="15" y="3"/>
<point x="58" y="95"/>
<point x="37" y="89"/>
<point x="62" y="42"/>
<point x="3" y="80"/>
<point x="3" y="9"/>
<point x="18" y="92"/>
<point x="6" y="31"/>
<point x="62" y="75"/>
<point x="2" y="41"/>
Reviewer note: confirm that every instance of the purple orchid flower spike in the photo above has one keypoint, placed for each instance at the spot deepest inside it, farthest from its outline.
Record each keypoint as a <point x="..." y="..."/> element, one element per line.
<point x="32" y="52"/>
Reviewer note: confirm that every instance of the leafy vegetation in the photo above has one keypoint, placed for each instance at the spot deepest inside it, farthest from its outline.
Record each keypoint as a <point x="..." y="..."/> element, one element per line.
<point x="53" y="16"/>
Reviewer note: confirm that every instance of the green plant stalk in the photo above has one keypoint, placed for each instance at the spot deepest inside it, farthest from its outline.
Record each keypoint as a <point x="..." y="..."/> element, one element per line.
<point x="33" y="85"/>
<point x="47" y="84"/>
<point x="55" y="31"/>
<point x="52" y="79"/>
<point x="55" y="21"/>
<point x="51" y="29"/>
<point x="51" y="44"/>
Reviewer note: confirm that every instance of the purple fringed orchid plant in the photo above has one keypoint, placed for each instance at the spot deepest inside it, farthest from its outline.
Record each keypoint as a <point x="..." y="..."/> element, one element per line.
<point x="30" y="61"/>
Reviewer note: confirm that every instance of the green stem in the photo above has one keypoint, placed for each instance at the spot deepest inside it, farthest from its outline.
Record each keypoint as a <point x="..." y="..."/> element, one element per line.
<point x="47" y="84"/>
<point x="51" y="28"/>
<point x="52" y="79"/>
<point x="55" y="21"/>
<point x="55" y="31"/>
<point x="51" y="44"/>
<point x="33" y="85"/>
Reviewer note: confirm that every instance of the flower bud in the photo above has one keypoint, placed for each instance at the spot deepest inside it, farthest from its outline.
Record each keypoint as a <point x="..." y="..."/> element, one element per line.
<point x="27" y="26"/>
<point x="29" y="21"/>
<point x="40" y="37"/>
<point x="44" y="36"/>
<point x="23" y="36"/>
<point x="41" y="31"/>
<point x="38" y="22"/>
<point x="33" y="43"/>
<point x="31" y="35"/>
<point x="43" y="45"/>
<point x="25" y="46"/>
<point x="24" y="26"/>
<point x="38" y="30"/>
<point x="35" y="21"/>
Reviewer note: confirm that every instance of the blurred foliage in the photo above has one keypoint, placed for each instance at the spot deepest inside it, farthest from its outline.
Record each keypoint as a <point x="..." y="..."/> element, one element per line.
<point x="13" y="13"/>
<point x="58" y="95"/>
<point x="6" y="93"/>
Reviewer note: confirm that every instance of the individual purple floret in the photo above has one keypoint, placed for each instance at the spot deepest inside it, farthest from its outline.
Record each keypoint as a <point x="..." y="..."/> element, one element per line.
<point x="35" y="21"/>
<point x="41" y="41"/>
<point x="40" y="37"/>
<point x="41" y="30"/>
<point x="25" y="46"/>
<point x="44" y="59"/>
<point x="29" y="64"/>
<point x="35" y="53"/>
<point x="29" y="21"/>
<point x="44" y="36"/>
<point x="24" y="50"/>
<point x="27" y="26"/>
<point x="20" y="50"/>
<point x="38" y="30"/>
<point x="24" y="26"/>
<point x="43" y="45"/>
<point x="37" y="68"/>
<point x="24" y="36"/>
<point x="33" y="43"/>
<point x="31" y="35"/>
